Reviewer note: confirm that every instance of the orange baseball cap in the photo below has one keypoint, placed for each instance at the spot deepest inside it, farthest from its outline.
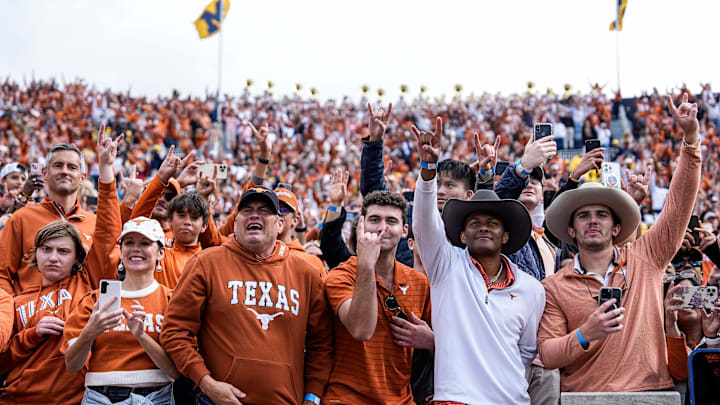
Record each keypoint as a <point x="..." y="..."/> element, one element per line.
<point x="288" y="197"/>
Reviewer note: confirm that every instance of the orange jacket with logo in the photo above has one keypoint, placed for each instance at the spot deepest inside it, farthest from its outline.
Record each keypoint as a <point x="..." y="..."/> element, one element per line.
<point x="262" y="325"/>
<point x="17" y="240"/>
<point x="117" y="358"/>
<point x="174" y="262"/>
<point x="35" y="364"/>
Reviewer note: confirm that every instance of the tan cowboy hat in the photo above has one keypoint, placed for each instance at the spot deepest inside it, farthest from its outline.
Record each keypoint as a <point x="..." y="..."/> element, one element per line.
<point x="512" y="213"/>
<point x="561" y="210"/>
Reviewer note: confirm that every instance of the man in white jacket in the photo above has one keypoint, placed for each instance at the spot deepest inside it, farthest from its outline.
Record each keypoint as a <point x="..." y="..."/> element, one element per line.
<point x="485" y="310"/>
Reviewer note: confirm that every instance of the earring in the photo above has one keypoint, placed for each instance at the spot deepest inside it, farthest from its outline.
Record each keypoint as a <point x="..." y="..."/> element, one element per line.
<point x="120" y="266"/>
<point x="158" y="268"/>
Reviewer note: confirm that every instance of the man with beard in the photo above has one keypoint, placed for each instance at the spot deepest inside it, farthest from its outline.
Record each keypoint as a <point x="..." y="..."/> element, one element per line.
<point x="594" y="345"/>
<point x="64" y="172"/>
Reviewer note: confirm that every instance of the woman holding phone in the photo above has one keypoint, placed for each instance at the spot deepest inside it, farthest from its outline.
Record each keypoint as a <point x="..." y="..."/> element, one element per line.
<point x="33" y="360"/>
<point x="121" y="349"/>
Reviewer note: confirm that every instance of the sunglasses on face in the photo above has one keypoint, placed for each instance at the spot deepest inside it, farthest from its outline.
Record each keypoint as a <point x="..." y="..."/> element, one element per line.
<point x="283" y="210"/>
<point x="680" y="263"/>
<point x="683" y="275"/>
<point x="392" y="304"/>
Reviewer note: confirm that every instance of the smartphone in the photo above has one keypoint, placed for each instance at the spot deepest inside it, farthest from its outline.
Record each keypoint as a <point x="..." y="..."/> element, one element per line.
<point x="608" y="293"/>
<point x="208" y="169"/>
<point x="108" y="290"/>
<point x="695" y="223"/>
<point x="91" y="200"/>
<point x="500" y="168"/>
<point x="35" y="169"/>
<point x="611" y="174"/>
<point x="698" y="296"/>
<point x="409" y="196"/>
<point x="350" y="216"/>
<point x="542" y="130"/>
<point x="591" y="144"/>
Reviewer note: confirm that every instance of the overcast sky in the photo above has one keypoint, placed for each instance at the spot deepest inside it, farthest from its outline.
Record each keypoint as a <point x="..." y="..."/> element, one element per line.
<point x="336" y="46"/>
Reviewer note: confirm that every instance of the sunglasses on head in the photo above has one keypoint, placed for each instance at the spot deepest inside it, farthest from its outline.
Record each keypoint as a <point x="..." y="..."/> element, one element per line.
<point x="392" y="304"/>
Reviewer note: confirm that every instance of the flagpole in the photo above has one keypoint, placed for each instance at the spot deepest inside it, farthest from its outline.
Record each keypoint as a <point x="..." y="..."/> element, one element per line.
<point x="219" y="80"/>
<point x="617" y="43"/>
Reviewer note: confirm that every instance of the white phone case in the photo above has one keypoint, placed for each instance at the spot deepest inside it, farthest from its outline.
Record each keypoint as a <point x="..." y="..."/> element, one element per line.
<point x="108" y="290"/>
<point x="611" y="174"/>
<point x="208" y="169"/>
<point x="698" y="296"/>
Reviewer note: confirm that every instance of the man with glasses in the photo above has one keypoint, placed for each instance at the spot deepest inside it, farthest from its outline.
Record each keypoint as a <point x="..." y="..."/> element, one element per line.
<point x="381" y="309"/>
<point x="622" y="349"/>
<point x="289" y="210"/>
<point x="249" y="322"/>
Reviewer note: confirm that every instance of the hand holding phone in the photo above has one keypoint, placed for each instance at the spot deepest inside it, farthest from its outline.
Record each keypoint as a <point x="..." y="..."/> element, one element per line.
<point x="608" y="293"/>
<point x="109" y="289"/>
<point x="697" y="296"/>
<point x="591" y="144"/>
<point x="35" y="169"/>
<point x="611" y="175"/>
<point x="542" y="130"/>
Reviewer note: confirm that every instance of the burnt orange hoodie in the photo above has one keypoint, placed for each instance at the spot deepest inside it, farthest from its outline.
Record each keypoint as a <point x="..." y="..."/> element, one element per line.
<point x="262" y="325"/>
<point x="36" y="364"/>
<point x="7" y="311"/>
<point x="17" y="240"/>
<point x="174" y="262"/>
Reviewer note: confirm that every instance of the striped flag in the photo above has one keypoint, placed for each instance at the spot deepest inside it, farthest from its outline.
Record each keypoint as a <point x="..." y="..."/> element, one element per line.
<point x="209" y="22"/>
<point x="617" y="24"/>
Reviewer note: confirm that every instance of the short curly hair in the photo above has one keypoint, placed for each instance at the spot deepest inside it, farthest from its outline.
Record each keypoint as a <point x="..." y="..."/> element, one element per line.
<point x="386" y="198"/>
<point x="60" y="229"/>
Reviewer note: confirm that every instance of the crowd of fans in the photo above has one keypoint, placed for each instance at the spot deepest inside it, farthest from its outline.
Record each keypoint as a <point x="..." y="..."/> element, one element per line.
<point x="336" y="221"/>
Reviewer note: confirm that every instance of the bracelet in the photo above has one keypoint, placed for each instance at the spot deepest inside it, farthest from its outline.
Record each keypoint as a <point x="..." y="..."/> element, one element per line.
<point x="522" y="169"/>
<point x="581" y="339"/>
<point x="301" y="230"/>
<point x="690" y="146"/>
<point x="264" y="161"/>
<point x="428" y="166"/>
<point x="334" y="208"/>
<point x="312" y="398"/>
<point x="712" y="341"/>
<point x="485" y="173"/>
<point x="320" y="225"/>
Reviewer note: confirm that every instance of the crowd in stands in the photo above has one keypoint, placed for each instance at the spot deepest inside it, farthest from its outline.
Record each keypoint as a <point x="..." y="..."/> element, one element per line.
<point x="306" y="275"/>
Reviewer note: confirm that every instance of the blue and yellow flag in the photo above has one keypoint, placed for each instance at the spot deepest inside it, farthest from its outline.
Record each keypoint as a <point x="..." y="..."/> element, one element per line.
<point x="209" y="22"/>
<point x="617" y="24"/>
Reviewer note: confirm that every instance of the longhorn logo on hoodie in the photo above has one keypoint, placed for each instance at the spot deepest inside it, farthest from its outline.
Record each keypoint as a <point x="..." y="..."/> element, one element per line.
<point x="265" y="318"/>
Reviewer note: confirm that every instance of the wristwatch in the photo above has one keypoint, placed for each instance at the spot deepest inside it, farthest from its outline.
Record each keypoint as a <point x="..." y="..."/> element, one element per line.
<point x="23" y="197"/>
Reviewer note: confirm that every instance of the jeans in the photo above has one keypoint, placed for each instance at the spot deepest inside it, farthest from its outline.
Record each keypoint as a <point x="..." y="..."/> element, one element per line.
<point x="204" y="400"/>
<point x="160" y="397"/>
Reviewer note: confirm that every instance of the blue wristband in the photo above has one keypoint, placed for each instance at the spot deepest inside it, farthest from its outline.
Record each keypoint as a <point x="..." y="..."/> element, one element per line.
<point x="320" y="225"/>
<point x="522" y="169"/>
<point x="581" y="339"/>
<point x="484" y="173"/>
<point x="333" y="208"/>
<point x="428" y="166"/>
<point x="312" y="397"/>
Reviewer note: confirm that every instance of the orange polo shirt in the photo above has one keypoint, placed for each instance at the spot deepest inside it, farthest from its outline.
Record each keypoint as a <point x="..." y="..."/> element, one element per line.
<point x="376" y="371"/>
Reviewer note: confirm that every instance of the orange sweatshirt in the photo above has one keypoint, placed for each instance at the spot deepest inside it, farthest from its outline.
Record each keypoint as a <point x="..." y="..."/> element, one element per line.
<point x="635" y="358"/>
<point x="174" y="262"/>
<point x="262" y="325"/>
<point x="36" y="365"/>
<point x="117" y="358"/>
<point x="17" y="240"/>
<point x="146" y="203"/>
<point x="7" y="311"/>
